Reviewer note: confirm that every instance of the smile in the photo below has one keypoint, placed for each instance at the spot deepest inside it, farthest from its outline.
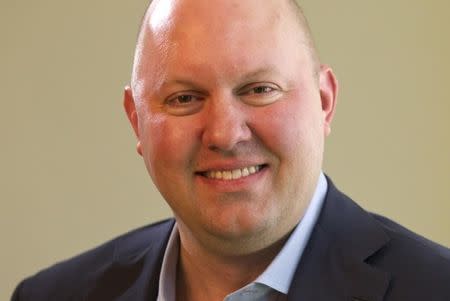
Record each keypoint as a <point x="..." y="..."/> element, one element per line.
<point x="233" y="174"/>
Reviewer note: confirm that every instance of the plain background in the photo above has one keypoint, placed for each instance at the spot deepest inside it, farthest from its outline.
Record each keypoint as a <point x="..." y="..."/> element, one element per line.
<point x="70" y="176"/>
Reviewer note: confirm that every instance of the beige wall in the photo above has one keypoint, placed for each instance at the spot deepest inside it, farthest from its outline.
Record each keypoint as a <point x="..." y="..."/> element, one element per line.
<point x="71" y="178"/>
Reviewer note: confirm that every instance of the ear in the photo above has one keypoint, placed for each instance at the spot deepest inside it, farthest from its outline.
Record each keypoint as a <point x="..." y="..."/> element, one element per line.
<point x="328" y="85"/>
<point x="130" y="109"/>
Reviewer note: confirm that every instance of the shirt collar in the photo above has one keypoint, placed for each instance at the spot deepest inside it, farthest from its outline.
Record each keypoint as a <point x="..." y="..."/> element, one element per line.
<point x="167" y="277"/>
<point x="278" y="275"/>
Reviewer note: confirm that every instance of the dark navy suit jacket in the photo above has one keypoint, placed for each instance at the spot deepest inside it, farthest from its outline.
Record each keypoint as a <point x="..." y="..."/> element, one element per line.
<point x="351" y="255"/>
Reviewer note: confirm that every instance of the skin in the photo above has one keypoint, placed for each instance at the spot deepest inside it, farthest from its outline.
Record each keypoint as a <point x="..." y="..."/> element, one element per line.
<point x="222" y="85"/>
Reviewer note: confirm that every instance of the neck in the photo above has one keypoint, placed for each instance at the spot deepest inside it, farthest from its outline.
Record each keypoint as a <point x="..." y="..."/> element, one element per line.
<point x="203" y="275"/>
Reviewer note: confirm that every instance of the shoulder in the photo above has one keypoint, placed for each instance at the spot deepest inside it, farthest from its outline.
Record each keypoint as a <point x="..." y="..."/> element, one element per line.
<point x="73" y="277"/>
<point x="403" y="237"/>
<point x="343" y="214"/>
<point x="413" y="252"/>
<point x="419" y="268"/>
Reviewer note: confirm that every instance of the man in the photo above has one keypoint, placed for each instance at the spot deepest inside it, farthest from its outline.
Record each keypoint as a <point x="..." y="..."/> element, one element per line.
<point x="230" y="107"/>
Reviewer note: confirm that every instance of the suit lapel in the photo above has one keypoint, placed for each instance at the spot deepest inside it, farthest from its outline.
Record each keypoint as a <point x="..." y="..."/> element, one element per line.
<point x="333" y="266"/>
<point x="133" y="275"/>
<point x="145" y="287"/>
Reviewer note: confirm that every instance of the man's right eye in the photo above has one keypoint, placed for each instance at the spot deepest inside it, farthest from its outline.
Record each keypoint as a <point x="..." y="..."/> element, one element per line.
<point x="182" y="99"/>
<point x="183" y="104"/>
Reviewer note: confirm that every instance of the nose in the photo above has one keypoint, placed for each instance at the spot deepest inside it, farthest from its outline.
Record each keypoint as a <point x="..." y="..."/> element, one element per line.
<point x="225" y="124"/>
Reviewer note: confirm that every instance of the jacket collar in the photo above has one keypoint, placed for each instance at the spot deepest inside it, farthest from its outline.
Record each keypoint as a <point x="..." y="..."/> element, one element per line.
<point x="133" y="274"/>
<point x="333" y="266"/>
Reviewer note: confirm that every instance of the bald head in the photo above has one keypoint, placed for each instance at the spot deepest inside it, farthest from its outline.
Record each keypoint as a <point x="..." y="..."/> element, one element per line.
<point x="306" y="30"/>
<point x="160" y="15"/>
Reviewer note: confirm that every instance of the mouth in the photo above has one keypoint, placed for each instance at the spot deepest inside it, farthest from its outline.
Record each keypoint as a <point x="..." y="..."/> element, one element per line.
<point x="232" y="174"/>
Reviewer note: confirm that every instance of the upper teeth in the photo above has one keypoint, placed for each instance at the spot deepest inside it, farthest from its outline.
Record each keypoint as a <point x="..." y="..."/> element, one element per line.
<point x="232" y="174"/>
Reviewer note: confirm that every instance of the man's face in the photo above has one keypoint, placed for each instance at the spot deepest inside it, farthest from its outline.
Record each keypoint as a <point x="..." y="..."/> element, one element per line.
<point x="230" y="118"/>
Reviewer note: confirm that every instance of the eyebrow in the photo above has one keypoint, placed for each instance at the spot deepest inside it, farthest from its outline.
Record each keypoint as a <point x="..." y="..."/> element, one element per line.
<point x="247" y="77"/>
<point x="185" y="82"/>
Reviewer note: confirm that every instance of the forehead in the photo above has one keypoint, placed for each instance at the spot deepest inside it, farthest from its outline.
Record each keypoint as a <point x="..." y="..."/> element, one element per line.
<point x="224" y="21"/>
<point x="212" y="11"/>
<point x="227" y="35"/>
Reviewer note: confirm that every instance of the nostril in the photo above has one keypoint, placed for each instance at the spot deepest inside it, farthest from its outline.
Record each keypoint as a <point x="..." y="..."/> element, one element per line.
<point x="213" y="148"/>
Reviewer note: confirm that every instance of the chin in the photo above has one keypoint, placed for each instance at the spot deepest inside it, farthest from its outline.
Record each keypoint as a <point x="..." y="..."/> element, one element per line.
<point x="242" y="229"/>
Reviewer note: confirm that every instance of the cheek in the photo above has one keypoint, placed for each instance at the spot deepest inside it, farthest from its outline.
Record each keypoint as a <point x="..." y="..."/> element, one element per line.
<point x="166" y="143"/>
<point x="289" y="126"/>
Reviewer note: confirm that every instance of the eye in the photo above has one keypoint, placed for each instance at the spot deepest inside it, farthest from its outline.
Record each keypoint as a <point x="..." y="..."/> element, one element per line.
<point x="183" y="99"/>
<point x="260" y="94"/>
<point x="183" y="103"/>
<point x="262" y="90"/>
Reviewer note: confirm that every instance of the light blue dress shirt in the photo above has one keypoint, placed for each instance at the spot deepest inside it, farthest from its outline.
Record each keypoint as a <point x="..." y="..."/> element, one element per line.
<point x="273" y="284"/>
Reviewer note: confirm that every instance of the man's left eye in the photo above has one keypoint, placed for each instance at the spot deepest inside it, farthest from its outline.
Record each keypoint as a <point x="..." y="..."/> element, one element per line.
<point x="259" y="89"/>
<point x="260" y="94"/>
